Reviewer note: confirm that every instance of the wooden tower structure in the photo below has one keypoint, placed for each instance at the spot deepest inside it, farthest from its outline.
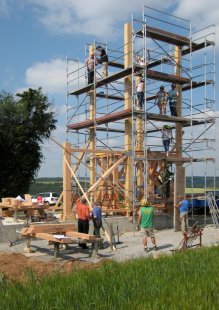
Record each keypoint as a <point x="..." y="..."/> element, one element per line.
<point x="115" y="148"/>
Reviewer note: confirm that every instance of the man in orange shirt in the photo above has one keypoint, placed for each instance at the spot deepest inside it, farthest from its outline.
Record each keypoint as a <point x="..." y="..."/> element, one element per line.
<point x="83" y="218"/>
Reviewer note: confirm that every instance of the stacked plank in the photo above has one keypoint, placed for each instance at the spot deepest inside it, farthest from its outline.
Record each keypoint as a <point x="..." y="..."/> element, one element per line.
<point x="60" y="233"/>
<point x="9" y="205"/>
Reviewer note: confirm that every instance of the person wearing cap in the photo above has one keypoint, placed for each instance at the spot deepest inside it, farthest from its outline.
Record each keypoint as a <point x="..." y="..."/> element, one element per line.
<point x="140" y="93"/>
<point x="90" y="63"/>
<point x="161" y="100"/>
<point x="172" y="99"/>
<point x="97" y="218"/>
<point x="145" y="222"/>
<point x="103" y="60"/>
<point x="183" y="207"/>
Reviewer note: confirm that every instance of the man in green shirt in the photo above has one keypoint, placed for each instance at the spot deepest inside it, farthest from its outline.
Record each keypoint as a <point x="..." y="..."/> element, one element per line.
<point x="145" y="221"/>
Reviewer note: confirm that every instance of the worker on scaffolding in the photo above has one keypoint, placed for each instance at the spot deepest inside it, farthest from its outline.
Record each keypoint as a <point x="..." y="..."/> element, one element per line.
<point x="172" y="98"/>
<point x="103" y="60"/>
<point x="161" y="100"/>
<point x="140" y="93"/>
<point x="167" y="177"/>
<point x="90" y="63"/>
<point x="167" y="137"/>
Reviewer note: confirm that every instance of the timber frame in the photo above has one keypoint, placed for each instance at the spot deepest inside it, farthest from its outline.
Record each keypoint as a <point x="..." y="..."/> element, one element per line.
<point x="120" y="175"/>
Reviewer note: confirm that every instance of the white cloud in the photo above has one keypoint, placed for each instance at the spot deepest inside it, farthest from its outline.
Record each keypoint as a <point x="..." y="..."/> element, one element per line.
<point x="51" y="75"/>
<point x="98" y="18"/>
<point x="201" y="13"/>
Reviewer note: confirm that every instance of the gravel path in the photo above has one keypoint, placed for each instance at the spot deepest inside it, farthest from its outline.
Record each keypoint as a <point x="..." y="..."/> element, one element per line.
<point x="130" y="246"/>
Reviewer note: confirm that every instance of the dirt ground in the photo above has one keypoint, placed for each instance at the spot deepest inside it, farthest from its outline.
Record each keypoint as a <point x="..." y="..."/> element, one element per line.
<point x="15" y="263"/>
<point x="15" y="266"/>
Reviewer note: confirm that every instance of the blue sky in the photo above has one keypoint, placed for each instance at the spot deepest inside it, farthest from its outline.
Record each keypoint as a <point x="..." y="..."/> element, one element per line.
<point x="36" y="37"/>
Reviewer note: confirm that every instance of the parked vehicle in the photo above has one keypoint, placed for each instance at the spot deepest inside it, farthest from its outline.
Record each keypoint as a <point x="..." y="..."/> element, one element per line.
<point x="48" y="197"/>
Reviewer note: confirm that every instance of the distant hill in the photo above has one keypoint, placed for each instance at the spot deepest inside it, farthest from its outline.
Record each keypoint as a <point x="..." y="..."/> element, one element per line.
<point x="55" y="184"/>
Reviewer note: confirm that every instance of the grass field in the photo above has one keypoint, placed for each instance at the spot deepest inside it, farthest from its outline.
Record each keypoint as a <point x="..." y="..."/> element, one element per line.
<point x="188" y="280"/>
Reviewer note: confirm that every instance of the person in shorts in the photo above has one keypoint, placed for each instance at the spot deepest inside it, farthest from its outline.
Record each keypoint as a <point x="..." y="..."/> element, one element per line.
<point x="161" y="100"/>
<point x="145" y="222"/>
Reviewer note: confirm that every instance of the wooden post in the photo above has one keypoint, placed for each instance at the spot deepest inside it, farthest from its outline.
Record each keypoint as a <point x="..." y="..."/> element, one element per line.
<point x="56" y="249"/>
<point x="92" y="132"/>
<point x="139" y="141"/>
<point x="66" y="181"/>
<point x="128" y="104"/>
<point x="179" y="189"/>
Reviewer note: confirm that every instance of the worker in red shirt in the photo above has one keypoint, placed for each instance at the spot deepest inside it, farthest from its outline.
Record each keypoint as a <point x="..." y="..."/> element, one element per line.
<point x="83" y="214"/>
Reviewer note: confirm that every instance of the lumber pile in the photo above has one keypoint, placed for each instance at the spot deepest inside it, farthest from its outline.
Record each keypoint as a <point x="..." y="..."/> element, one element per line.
<point x="57" y="234"/>
<point x="9" y="205"/>
<point x="61" y="233"/>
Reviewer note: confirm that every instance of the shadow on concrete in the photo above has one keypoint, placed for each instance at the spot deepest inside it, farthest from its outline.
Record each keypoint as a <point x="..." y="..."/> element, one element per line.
<point x="66" y="254"/>
<point x="165" y="246"/>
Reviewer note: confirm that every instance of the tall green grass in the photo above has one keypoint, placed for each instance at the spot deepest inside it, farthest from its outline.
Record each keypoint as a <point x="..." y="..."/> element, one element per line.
<point x="188" y="280"/>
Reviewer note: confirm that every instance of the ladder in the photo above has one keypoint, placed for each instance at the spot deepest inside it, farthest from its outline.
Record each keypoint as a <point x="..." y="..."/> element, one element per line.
<point x="213" y="208"/>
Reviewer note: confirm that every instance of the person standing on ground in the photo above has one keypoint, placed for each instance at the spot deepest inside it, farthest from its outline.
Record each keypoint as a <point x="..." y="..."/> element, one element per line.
<point x="172" y="98"/>
<point x="161" y="100"/>
<point x="166" y="138"/>
<point x="83" y="215"/>
<point x="103" y="60"/>
<point x="140" y="93"/>
<point x="183" y="207"/>
<point x="90" y="63"/>
<point x="145" y="222"/>
<point x="97" y="218"/>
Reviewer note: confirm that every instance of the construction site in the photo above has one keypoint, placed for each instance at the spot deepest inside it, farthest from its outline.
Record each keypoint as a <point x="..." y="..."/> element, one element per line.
<point x="114" y="151"/>
<point x="114" y="145"/>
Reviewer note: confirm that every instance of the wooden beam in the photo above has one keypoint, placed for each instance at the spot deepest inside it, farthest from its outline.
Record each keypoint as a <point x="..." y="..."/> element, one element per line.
<point x="48" y="228"/>
<point x="81" y="188"/>
<point x="58" y="201"/>
<point x="164" y="36"/>
<point x="75" y="234"/>
<point x="105" y="175"/>
<point x="75" y="168"/>
<point x="124" y="115"/>
<point x="51" y="238"/>
<point x="97" y="151"/>
<point x="154" y="75"/>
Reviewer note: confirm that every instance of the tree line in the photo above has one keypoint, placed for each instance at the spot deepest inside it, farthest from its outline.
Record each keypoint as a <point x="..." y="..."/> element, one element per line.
<point x="26" y="122"/>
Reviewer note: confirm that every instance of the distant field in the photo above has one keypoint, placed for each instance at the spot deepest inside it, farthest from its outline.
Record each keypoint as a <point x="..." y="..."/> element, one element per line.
<point x="55" y="185"/>
<point x="199" y="190"/>
<point x="46" y="186"/>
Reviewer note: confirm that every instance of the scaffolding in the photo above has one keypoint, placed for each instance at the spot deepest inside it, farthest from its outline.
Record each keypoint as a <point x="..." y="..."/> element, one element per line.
<point x="115" y="145"/>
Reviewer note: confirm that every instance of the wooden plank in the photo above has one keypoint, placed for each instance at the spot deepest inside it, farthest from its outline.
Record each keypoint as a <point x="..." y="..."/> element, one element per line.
<point x="75" y="234"/>
<point x="119" y="210"/>
<point x="51" y="238"/>
<point x="155" y="75"/>
<point x="164" y="36"/>
<point x="79" y="184"/>
<point x="52" y="228"/>
<point x="58" y="201"/>
<point x="99" y="151"/>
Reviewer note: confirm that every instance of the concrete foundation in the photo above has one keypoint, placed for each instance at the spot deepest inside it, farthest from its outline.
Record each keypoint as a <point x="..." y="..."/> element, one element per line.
<point x="8" y="231"/>
<point x="161" y="221"/>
